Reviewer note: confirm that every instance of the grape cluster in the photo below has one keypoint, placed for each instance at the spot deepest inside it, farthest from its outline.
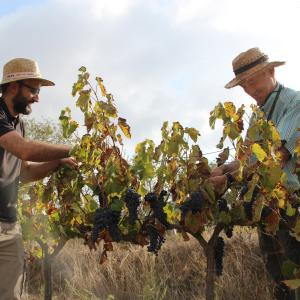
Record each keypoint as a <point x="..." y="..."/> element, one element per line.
<point x="282" y="292"/>
<point x="219" y="254"/>
<point x="106" y="218"/>
<point x="249" y="205"/>
<point x="222" y="205"/>
<point x="157" y="205"/>
<point x="156" y="239"/>
<point x="84" y="228"/>
<point x="194" y="203"/>
<point x="100" y="199"/>
<point x="132" y="200"/>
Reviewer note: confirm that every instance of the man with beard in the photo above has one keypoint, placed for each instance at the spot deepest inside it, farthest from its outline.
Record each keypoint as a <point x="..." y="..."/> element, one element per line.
<point x="20" y="160"/>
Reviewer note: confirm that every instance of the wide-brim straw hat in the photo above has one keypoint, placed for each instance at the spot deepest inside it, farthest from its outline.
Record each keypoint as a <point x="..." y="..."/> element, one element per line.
<point x="21" y="69"/>
<point x="248" y="63"/>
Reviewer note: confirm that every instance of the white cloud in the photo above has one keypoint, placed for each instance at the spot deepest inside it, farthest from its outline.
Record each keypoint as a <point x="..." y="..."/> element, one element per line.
<point x="110" y="8"/>
<point x="162" y="60"/>
<point x="190" y="10"/>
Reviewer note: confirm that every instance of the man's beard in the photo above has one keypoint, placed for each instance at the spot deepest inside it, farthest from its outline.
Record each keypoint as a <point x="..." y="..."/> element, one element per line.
<point x="21" y="104"/>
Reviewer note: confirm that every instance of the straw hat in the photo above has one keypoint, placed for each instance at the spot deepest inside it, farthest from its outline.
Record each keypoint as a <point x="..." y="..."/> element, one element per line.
<point x="248" y="63"/>
<point x="22" y="68"/>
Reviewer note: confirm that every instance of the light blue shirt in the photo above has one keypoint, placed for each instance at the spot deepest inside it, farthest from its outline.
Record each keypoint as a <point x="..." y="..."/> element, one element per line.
<point x="286" y="118"/>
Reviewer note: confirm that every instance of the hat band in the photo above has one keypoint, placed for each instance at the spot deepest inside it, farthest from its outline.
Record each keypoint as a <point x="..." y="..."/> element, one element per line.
<point x="251" y="65"/>
<point x="22" y="74"/>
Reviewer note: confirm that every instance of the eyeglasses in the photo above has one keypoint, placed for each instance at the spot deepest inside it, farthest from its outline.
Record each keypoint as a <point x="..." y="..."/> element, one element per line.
<point x="33" y="91"/>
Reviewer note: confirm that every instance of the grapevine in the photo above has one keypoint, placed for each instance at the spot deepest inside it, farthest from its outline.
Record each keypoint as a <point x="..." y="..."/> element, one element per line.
<point x="164" y="187"/>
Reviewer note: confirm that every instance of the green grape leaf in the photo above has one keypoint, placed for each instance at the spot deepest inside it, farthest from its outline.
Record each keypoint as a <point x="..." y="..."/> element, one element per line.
<point x="257" y="208"/>
<point x="288" y="268"/>
<point x="116" y="204"/>
<point x="83" y="100"/>
<point x="290" y="211"/>
<point x="194" y="222"/>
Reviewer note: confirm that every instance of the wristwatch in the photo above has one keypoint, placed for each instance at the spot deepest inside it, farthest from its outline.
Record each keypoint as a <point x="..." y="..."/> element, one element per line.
<point x="230" y="179"/>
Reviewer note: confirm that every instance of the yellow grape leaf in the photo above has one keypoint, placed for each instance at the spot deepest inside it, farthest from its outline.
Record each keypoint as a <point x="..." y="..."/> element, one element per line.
<point x="193" y="133"/>
<point x="124" y="127"/>
<point x="281" y="203"/>
<point x="239" y="114"/>
<point x="280" y="194"/>
<point x="297" y="147"/>
<point x="229" y="109"/>
<point x="102" y="87"/>
<point x="259" y="152"/>
<point x="173" y="215"/>
<point x="119" y="137"/>
<point x="232" y="130"/>
<point x="172" y="164"/>
<point x="292" y="283"/>
<point x="274" y="133"/>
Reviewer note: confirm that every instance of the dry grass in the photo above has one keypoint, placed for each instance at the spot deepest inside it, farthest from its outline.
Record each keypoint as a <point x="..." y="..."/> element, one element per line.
<point x="177" y="273"/>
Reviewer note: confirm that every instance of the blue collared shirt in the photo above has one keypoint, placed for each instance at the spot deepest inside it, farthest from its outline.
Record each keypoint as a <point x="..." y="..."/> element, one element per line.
<point x="286" y="118"/>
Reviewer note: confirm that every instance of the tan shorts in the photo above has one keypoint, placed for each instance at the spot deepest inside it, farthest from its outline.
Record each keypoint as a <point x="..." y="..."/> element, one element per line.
<point x="11" y="261"/>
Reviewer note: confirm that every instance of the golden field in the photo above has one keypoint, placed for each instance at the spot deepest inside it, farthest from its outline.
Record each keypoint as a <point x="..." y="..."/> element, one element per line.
<point x="178" y="272"/>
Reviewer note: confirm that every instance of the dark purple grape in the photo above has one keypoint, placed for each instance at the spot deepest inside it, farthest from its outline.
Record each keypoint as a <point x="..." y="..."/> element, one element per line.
<point x="156" y="240"/>
<point x="194" y="203"/>
<point x="157" y="206"/>
<point x="132" y="200"/>
<point x="219" y="254"/>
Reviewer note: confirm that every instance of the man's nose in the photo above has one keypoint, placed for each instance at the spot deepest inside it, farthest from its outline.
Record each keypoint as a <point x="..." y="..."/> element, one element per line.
<point x="36" y="98"/>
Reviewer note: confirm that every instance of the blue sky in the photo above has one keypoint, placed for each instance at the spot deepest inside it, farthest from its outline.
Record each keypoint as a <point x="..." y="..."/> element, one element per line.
<point x="10" y="6"/>
<point x="162" y="60"/>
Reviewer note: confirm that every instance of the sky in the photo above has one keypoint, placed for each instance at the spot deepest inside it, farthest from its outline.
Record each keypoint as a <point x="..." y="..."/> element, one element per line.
<point x="163" y="60"/>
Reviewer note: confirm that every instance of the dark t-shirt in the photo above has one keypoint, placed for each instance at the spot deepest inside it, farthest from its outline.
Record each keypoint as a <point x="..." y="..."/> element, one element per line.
<point x="10" y="167"/>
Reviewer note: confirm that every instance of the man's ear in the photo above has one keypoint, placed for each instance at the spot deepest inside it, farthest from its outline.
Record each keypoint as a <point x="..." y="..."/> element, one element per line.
<point x="272" y="71"/>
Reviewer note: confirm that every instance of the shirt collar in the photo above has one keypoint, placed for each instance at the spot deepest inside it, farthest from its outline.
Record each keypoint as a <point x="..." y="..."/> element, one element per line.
<point x="11" y="118"/>
<point x="270" y="99"/>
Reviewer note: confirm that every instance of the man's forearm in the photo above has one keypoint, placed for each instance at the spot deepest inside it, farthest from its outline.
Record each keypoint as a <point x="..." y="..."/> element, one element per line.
<point x="42" y="152"/>
<point x="35" y="171"/>
<point x="28" y="150"/>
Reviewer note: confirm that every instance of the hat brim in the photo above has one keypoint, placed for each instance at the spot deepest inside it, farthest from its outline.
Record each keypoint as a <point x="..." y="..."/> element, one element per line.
<point x="251" y="72"/>
<point x="44" y="82"/>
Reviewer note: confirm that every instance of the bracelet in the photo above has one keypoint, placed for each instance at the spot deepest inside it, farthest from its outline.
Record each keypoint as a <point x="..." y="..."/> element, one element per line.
<point x="230" y="179"/>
